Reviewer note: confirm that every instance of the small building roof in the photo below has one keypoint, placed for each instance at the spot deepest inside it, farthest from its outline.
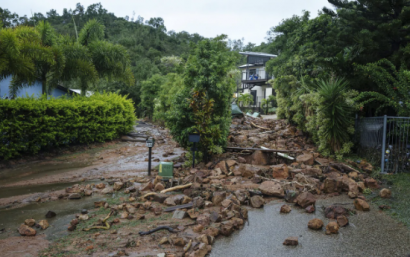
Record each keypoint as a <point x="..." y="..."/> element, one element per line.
<point x="258" y="54"/>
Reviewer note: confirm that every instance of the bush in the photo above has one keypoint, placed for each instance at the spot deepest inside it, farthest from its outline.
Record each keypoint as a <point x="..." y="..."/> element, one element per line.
<point x="28" y="125"/>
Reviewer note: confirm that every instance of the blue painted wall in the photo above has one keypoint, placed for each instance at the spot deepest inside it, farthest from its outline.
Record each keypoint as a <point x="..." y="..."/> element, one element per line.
<point x="33" y="90"/>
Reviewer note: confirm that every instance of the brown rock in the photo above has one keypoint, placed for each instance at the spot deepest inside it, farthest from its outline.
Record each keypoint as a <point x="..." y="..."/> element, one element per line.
<point x="203" y="250"/>
<point x="25" y="230"/>
<point x="280" y="171"/>
<point x="257" y="201"/>
<point x="353" y="174"/>
<point x="159" y="187"/>
<point x="100" y="186"/>
<point x="272" y="188"/>
<point x="353" y="190"/>
<point x="332" y="228"/>
<point x="218" y="197"/>
<point x="371" y="183"/>
<point x="74" y="196"/>
<point x="214" y="232"/>
<point x="305" y="199"/>
<point x="385" y="193"/>
<point x="88" y="192"/>
<point x="72" y="227"/>
<point x="334" y="211"/>
<point x="315" y="224"/>
<point x="174" y="200"/>
<point x="310" y="209"/>
<point x="186" y="200"/>
<point x="43" y="224"/>
<point x="306" y="159"/>
<point x="147" y="186"/>
<point x="198" y="228"/>
<point x="342" y="221"/>
<point x="99" y="204"/>
<point x="215" y="217"/>
<point x="193" y="214"/>
<point x="361" y="205"/>
<point x="198" y="202"/>
<point x="241" y="160"/>
<point x="30" y="222"/>
<point x="259" y="158"/>
<point x="332" y="185"/>
<point x="222" y="166"/>
<point x="285" y="209"/>
<point x="118" y="186"/>
<point x="178" y="241"/>
<point x="291" y="241"/>
<point x="204" y="219"/>
<point x="227" y="228"/>
<point x="157" y="211"/>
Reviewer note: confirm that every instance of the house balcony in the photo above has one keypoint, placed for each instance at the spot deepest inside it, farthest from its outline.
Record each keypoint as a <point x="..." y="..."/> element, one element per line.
<point x="259" y="77"/>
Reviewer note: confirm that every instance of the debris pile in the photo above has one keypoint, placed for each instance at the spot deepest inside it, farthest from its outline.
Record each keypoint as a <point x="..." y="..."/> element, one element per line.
<point x="265" y="160"/>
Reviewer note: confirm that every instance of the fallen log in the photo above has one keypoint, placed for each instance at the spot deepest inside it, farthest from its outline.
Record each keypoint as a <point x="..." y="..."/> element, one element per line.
<point x="256" y="126"/>
<point x="182" y="206"/>
<point x="176" y="188"/>
<point x="142" y="233"/>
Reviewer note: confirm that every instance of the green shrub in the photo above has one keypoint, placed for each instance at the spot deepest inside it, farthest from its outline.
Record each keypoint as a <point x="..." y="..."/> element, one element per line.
<point x="28" y="125"/>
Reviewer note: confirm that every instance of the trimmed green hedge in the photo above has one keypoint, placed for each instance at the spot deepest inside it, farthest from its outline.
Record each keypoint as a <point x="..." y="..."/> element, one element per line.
<point x="28" y="125"/>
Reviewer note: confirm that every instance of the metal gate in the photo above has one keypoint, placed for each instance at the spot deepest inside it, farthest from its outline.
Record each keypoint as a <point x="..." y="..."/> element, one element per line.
<point x="385" y="140"/>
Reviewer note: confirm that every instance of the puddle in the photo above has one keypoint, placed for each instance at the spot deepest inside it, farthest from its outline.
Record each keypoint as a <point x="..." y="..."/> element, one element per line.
<point x="34" y="171"/>
<point x="11" y="219"/>
<point x="369" y="234"/>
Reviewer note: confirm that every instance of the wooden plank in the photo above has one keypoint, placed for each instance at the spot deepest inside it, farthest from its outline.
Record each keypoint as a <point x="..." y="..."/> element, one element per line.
<point x="183" y="206"/>
<point x="263" y="150"/>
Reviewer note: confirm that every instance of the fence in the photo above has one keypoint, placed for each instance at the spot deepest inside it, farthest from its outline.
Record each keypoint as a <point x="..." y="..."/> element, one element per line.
<point x="258" y="106"/>
<point x="385" y="140"/>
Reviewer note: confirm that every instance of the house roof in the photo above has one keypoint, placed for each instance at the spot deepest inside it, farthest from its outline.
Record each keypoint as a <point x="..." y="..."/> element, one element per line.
<point x="258" y="54"/>
<point x="78" y="91"/>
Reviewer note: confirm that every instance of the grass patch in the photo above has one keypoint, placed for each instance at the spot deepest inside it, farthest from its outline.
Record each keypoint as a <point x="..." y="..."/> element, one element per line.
<point x="399" y="203"/>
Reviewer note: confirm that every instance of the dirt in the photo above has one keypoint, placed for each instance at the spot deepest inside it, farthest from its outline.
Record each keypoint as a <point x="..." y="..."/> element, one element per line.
<point x="23" y="246"/>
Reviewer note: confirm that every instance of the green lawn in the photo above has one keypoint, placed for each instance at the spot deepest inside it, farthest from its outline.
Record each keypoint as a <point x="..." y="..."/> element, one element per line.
<point x="400" y="201"/>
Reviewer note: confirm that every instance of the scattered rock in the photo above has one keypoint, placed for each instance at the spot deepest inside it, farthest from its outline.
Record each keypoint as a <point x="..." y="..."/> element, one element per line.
<point x="257" y="201"/>
<point x="226" y="228"/>
<point x="74" y="196"/>
<point x="361" y="205"/>
<point x="218" y="197"/>
<point x="178" y="214"/>
<point x="332" y="228"/>
<point x="285" y="209"/>
<point x="100" y="186"/>
<point x="272" y="188"/>
<point x="107" y="190"/>
<point x="118" y="186"/>
<point x="30" y="222"/>
<point x="293" y="241"/>
<point x="371" y="183"/>
<point x="306" y="159"/>
<point x="214" y="232"/>
<point x="25" y="230"/>
<point x="334" y="211"/>
<point x="385" y="193"/>
<point x="280" y="171"/>
<point x="305" y="199"/>
<point x="203" y="249"/>
<point x="204" y="219"/>
<point x="291" y="195"/>
<point x="50" y="214"/>
<point x="315" y="224"/>
<point x="83" y="217"/>
<point x="43" y="224"/>
<point x="342" y="221"/>
<point x="310" y="209"/>
<point x="198" y="228"/>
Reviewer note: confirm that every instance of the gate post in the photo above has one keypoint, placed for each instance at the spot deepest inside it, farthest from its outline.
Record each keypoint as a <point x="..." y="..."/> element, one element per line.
<point x="384" y="142"/>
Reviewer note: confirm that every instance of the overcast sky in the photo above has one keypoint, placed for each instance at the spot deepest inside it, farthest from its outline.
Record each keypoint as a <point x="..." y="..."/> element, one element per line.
<point x="236" y="18"/>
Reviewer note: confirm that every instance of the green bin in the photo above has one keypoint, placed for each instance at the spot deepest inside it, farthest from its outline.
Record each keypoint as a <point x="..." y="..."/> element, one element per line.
<point x="166" y="170"/>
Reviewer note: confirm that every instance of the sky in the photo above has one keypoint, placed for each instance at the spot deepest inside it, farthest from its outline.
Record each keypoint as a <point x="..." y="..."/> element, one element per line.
<point x="236" y="18"/>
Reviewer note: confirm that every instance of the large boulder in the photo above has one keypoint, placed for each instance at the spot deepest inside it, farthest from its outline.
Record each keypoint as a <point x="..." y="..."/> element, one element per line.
<point x="305" y="199"/>
<point x="307" y="159"/>
<point x="272" y="188"/>
<point x="280" y="171"/>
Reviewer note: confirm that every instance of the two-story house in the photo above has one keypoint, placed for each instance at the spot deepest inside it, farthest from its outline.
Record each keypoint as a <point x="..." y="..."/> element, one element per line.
<point x="255" y="77"/>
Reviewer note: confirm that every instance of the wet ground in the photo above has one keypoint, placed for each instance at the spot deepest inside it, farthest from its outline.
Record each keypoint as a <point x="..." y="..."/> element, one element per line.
<point x="369" y="234"/>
